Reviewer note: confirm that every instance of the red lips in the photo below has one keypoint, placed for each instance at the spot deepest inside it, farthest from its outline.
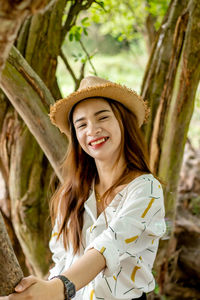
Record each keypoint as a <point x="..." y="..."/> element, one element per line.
<point x="96" y="143"/>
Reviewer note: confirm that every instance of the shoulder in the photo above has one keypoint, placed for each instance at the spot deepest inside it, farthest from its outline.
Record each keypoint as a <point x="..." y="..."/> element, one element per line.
<point x="145" y="184"/>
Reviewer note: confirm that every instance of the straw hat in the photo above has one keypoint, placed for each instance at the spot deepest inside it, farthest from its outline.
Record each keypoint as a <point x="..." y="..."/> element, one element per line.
<point x="91" y="87"/>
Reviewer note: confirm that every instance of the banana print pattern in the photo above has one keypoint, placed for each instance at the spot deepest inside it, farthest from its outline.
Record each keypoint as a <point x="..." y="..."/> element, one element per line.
<point x="128" y="240"/>
<point x="134" y="273"/>
<point x="132" y="239"/>
<point x="91" y="294"/>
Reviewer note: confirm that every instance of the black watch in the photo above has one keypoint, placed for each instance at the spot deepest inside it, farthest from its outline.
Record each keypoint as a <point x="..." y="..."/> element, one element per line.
<point x="69" y="287"/>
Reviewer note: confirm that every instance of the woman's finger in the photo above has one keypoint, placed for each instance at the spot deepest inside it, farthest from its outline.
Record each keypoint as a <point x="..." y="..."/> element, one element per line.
<point x="25" y="283"/>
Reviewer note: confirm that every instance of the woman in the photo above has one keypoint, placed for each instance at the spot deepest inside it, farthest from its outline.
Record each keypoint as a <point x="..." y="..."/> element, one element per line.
<point x="109" y="214"/>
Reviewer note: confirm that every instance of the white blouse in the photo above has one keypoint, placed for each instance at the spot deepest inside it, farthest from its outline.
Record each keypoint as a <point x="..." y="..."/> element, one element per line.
<point x="129" y="241"/>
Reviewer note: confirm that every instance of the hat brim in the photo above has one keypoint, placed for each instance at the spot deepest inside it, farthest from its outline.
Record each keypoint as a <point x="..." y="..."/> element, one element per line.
<point x="59" y="112"/>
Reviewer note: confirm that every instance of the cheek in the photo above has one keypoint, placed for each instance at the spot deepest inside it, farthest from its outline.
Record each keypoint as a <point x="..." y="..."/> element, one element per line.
<point x="80" y="138"/>
<point x="118" y="134"/>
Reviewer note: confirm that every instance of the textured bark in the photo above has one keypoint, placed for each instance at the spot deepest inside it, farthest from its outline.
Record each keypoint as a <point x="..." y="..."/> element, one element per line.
<point x="28" y="189"/>
<point x="12" y="15"/>
<point x="41" y="38"/>
<point x="182" y="278"/>
<point x="169" y="137"/>
<point x="151" y="31"/>
<point x="5" y="205"/>
<point x="181" y="105"/>
<point x="11" y="272"/>
<point x="40" y="41"/>
<point x="158" y="64"/>
<point x="165" y="99"/>
<point x="186" y="272"/>
<point x="31" y="98"/>
<point x="16" y="245"/>
<point x="27" y="168"/>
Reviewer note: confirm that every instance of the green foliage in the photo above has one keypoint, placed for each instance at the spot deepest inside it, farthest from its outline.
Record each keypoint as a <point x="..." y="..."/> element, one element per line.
<point x="126" y="19"/>
<point x="125" y="67"/>
<point x="157" y="9"/>
<point x="76" y="31"/>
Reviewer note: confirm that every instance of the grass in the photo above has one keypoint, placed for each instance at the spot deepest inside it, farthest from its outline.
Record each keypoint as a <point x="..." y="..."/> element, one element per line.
<point x="124" y="68"/>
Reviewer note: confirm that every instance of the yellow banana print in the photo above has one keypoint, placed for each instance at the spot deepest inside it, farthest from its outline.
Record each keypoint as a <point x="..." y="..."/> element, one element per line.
<point x="102" y="250"/>
<point x="91" y="294"/>
<point x="134" y="272"/>
<point x="148" y="207"/>
<point x="131" y="239"/>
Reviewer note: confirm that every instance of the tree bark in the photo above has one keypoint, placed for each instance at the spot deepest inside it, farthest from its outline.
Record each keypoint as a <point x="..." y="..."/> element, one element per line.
<point x="182" y="278"/>
<point x="40" y="40"/>
<point x="183" y="83"/>
<point x="13" y="13"/>
<point x="171" y="127"/>
<point x="158" y="64"/>
<point x="151" y="31"/>
<point x="31" y="99"/>
<point x="11" y="272"/>
<point x="28" y="172"/>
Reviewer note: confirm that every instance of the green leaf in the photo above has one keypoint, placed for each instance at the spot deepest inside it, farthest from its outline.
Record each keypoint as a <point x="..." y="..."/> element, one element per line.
<point x="83" y="60"/>
<point x="101" y="3"/>
<point x="85" y="22"/>
<point x="85" y="31"/>
<point x="77" y="36"/>
<point x="84" y="19"/>
<point x="71" y="36"/>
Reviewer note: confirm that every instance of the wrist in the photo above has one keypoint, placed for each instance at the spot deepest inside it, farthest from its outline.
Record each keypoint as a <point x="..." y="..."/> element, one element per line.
<point x="69" y="287"/>
<point x="57" y="288"/>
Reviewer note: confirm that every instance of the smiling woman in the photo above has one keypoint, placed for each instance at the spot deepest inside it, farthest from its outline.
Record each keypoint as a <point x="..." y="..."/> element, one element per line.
<point x="97" y="130"/>
<point x="109" y="214"/>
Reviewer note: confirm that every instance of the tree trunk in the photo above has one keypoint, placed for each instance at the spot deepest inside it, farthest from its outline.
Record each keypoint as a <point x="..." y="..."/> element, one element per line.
<point x="13" y="13"/>
<point x="176" y="104"/>
<point x="11" y="272"/>
<point x="158" y="64"/>
<point x="151" y="32"/>
<point x="32" y="99"/>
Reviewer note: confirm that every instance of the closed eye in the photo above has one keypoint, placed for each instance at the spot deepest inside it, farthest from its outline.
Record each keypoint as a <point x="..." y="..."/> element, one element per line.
<point x="81" y="125"/>
<point x="103" y="118"/>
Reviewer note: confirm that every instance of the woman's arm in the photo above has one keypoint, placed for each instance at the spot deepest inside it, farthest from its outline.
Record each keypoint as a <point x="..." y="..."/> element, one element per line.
<point x="86" y="268"/>
<point x="80" y="273"/>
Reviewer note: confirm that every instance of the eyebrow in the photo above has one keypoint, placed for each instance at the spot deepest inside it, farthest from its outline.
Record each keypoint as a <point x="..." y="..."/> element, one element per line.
<point x="96" y="114"/>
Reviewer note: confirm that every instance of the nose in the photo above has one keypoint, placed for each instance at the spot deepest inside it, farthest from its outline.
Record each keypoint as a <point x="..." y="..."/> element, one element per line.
<point x="93" y="129"/>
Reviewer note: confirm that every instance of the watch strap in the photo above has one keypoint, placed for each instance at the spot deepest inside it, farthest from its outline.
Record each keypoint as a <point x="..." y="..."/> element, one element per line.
<point x="69" y="287"/>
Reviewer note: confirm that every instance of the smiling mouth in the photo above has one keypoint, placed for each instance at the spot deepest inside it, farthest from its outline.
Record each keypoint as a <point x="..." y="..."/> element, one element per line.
<point x="98" y="141"/>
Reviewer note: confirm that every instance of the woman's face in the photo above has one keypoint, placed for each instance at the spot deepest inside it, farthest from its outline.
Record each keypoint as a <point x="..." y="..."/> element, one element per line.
<point x="97" y="129"/>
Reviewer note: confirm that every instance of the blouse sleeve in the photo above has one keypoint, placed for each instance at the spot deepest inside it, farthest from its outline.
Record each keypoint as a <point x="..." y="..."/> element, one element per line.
<point x="140" y="220"/>
<point x="58" y="251"/>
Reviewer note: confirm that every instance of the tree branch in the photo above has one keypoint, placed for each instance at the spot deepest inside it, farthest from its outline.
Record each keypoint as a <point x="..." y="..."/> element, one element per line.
<point x="31" y="99"/>
<point x="11" y="272"/>
<point x="88" y="56"/>
<point x="12" y="15"/>
<point x="64" y="58"/>
<point x="72" y="15"/>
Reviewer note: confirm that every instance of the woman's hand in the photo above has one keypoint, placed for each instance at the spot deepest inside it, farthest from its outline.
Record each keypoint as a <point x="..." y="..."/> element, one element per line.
<point x="33" y="288"/>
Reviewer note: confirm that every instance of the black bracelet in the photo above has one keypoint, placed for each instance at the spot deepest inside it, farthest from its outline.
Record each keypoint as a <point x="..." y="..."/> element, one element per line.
<point x="69" y="287"/>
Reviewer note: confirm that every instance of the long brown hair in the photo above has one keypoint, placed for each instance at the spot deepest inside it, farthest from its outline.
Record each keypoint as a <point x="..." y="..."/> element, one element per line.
<point x="80" y="170"/>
